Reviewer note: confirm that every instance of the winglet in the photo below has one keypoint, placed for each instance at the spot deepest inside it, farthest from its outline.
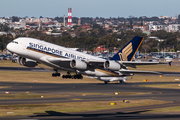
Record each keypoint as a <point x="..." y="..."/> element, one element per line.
<point x="128" y="51"/>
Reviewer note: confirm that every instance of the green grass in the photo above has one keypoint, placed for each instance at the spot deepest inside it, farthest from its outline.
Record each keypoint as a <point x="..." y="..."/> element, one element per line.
<point x="31" y="109"/>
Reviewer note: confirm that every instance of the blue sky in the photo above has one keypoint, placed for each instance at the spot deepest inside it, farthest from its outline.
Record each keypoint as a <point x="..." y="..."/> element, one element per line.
<point x="89" y="8"/>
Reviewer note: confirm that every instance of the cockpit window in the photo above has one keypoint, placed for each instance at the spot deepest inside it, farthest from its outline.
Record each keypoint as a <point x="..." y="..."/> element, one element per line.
<point x="14" y="42"/>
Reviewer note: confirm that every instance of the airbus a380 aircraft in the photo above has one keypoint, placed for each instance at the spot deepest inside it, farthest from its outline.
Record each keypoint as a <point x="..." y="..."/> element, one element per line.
<point x="33" y="51"/>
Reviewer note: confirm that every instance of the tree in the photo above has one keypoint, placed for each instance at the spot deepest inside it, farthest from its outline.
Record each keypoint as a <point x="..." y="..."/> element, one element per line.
<point x="15" y="19"/>
<point x="109" y="41"/>
<point x="4" y="40"/>
<point x="146" y="48"/>
<point x="83" y="34"/>
<point x="177" y="48"/>
<point x="4" y="27"/>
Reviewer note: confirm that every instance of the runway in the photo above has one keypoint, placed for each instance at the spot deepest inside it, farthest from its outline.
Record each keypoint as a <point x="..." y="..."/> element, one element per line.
<point x="73" y="89"/>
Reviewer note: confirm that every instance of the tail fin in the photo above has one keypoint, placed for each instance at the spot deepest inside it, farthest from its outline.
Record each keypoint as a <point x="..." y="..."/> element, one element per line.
<point x="128" y="51"/>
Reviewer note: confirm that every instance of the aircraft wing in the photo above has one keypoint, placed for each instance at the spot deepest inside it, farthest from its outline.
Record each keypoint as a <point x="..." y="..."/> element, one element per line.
<point x="100" y="63"/>
<point x="96" y="63"/>
<point x="132" y="72"/>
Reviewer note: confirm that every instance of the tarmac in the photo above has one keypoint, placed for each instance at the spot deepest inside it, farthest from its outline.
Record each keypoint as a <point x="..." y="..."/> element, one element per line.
<point x="118" y="113"/>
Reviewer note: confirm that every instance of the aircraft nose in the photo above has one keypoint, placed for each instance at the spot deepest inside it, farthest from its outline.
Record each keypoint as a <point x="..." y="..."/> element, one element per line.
<point x="9" y="47"/>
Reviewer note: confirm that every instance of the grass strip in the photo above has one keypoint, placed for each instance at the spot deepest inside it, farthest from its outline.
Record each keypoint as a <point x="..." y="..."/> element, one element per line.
<point x="27" y="96"/>
<point x="171" y="86"/>
<point x="70" y="107"/>
<point x="166" y="110"/>
<point x="152" y="78"/>
<point x="1" y="87"/>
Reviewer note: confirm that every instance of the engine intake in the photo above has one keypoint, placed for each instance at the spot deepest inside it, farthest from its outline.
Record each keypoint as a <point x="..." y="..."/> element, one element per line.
<point x="27" y="62"/>
<point x="112" y="65"/>
<point x="77" y="64"/>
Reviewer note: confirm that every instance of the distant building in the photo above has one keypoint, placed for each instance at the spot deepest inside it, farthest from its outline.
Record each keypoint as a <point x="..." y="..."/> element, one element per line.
<point x="22" y="23"/>
<point x="174" y="27"/>
<point x="79" y="22"/>
<point x="3" y="33"/>
<point x="5" y="20"/>
<point x="86" y="26"/>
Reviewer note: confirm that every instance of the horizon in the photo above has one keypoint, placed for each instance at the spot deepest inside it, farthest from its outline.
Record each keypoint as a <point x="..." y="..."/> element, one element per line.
<point x="85" y="17"/>
<point x="87" y="8"/>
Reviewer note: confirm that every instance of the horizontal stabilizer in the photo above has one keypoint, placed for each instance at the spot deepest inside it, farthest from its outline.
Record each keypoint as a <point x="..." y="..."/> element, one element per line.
<point x="134" y="63"/>
<point x="131" y="72"/>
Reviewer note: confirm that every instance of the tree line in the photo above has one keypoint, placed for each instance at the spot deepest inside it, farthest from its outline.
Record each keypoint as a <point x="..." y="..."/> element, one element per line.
<point x="89" y="40"/>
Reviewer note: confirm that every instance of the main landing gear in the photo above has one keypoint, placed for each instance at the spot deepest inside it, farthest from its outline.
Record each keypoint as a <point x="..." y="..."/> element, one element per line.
<point x="56" y="73"/>
<point x="77" y="76"/>
<point x="105" y="82"/>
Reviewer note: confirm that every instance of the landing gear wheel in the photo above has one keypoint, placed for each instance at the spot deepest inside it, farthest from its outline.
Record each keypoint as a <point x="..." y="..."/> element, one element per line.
<point x="63" y="76"/>
<point x="56" y="74"/>
<point x="77" y="76"/>
<point x="105" y="82"/>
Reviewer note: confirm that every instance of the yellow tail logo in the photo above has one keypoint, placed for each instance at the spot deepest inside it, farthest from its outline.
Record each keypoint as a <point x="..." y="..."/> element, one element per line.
<point x="125" y="52"/>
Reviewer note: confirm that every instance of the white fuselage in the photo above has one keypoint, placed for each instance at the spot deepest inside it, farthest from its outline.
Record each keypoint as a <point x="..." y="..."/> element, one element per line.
<point x="41" y="51"/>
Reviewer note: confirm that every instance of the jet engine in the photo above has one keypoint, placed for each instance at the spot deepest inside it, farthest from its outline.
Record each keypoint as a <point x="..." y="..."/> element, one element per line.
<point x="77" y="64"/>
<point x="26" y="62"/>
<point x="112" y="65"/>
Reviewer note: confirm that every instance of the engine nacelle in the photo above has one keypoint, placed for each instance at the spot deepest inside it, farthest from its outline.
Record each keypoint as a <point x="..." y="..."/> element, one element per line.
<point x="112" y="65"/>
<point x="26" y="62"/>
<point x="77" y="64"/>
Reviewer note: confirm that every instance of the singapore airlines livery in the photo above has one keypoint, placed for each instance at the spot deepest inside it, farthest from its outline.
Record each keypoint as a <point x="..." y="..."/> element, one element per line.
<point x="33" y="51"/>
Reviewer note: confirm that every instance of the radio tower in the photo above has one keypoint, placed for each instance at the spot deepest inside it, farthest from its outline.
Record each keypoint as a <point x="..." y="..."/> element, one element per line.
<point x="69" y="16"/>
